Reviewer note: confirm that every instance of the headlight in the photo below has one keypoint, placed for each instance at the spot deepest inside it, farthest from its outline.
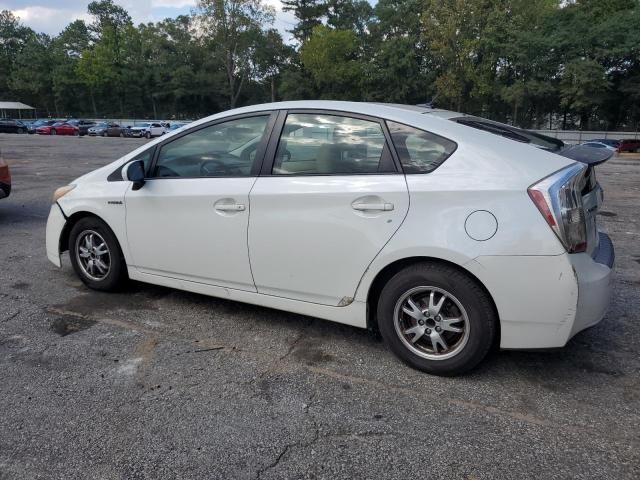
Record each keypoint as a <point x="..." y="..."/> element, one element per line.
<point x="62" y="191"/>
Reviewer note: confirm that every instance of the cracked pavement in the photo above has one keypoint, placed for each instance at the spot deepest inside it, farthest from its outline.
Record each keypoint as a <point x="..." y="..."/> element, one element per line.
<point x="157" y="383"/>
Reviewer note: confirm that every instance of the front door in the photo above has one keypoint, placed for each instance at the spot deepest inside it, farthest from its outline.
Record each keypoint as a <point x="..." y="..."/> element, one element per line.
<point x="331" y="200"/>
<point x="190" y="219"/>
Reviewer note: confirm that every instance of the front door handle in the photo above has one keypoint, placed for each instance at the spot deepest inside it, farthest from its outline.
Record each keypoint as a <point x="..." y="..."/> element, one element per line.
<point x="230" y="207"/>
<point x="363" y="207"/>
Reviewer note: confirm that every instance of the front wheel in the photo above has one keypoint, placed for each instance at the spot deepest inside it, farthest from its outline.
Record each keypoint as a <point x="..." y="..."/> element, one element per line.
<point x="53" y="131"/>
<point x="96" y="255"/>
<point x="148" y="135"/>
<point x="436" y="318"/>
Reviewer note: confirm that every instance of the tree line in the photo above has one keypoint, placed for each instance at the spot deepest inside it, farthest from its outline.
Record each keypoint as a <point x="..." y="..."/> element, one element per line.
<point x="533" y="63"/>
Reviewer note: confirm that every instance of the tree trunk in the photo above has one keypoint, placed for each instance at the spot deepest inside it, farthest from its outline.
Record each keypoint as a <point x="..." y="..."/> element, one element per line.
<point x="93" y="104"/>
<point x="273" y="89"/>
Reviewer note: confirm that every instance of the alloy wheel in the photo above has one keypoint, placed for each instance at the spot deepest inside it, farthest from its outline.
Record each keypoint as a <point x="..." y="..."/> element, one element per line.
<point x="431" y="322"/>
<point x="92" y="254"/>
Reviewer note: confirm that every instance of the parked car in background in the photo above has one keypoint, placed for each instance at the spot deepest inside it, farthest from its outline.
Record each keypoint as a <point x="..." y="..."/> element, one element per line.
<point x="31" y="127"/>
<point x="8" y="125"/>
<point x="148" y="130"/>
<point x="106" y="130"/>
<point x="629" y="145"/>
<point x="59" y="128"/>
<point x="5" y="179"/>
<point x="83" y="125"/>
<point x="176" y="125"/>
<point x="443" y="236"/>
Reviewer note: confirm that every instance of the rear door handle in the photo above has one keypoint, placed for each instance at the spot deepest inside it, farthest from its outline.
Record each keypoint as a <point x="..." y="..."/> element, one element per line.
<point x="233" y="207"/>
<point x="363" y="207"/>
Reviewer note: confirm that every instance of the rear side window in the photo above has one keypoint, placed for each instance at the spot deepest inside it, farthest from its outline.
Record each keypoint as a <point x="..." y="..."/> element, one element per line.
<point x="419" y="151"/>
<point x="326" y="144"/>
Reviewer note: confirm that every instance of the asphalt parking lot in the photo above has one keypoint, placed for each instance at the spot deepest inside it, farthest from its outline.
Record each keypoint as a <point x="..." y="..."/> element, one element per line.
<point x="157" y="383"/>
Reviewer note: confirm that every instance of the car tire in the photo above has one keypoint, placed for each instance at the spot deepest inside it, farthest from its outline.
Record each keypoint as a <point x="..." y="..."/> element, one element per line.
<point x="20" y="131"/>
<point x="448" y="340"/>
<point x="76" y="133"/>
<point x="96" y="255"/>
<point x="53" y="132"/>
<point x="148" y="135"/>
<point x="121" y="135"/>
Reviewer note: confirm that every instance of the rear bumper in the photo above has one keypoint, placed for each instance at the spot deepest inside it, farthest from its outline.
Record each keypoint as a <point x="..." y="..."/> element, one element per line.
<point x="55" y="226"/>
<point x="594" y="284"/>
<point x="543" y="301"/>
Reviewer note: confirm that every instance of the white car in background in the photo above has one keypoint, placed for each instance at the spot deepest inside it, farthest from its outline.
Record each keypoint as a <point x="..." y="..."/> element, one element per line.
<point x="148" y="130"/>
<point x="447" y="238"/>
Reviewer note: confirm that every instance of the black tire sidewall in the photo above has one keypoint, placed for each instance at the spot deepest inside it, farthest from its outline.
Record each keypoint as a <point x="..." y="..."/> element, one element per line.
<point x="475" y="301"/>
<point x="118" y="273"/>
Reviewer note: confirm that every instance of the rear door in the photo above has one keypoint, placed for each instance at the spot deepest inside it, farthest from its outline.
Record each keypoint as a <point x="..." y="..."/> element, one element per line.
<point x="328" y="200"/>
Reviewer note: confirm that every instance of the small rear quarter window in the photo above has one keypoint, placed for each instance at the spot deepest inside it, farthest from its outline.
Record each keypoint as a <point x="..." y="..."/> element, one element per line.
<point x="419" y="151"/>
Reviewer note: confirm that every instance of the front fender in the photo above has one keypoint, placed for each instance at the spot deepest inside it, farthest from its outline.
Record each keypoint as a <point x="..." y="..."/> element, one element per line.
<point x="103" y="199"/>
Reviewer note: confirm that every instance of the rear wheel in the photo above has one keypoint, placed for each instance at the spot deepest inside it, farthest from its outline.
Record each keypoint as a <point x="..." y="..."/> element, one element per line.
<point x="436" y="319"/>
<point x="53" y="131"/>
<point x="20" y="131"/>
<point x="96" y="255"/>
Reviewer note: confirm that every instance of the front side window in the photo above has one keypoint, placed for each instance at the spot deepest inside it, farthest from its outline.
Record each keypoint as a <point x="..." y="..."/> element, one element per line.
<point x="419" y="151"/>
<point x="324" y="144"/>
<point x="223" y="150"/>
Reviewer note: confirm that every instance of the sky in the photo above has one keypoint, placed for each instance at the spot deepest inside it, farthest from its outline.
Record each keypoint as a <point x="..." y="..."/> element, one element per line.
<point x="51" y="16"/>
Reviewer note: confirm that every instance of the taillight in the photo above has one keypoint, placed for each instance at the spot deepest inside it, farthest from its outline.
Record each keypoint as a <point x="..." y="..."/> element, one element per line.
<point x="5" y="176"/>
<point x="558" y="197"/>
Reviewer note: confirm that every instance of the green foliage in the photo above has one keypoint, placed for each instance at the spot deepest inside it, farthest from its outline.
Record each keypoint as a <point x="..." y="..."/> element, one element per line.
<point x="574" y="63"/>
<point x="331" y="57"/>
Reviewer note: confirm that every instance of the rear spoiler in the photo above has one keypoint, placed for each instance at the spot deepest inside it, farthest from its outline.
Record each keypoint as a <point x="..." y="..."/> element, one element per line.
<point x="587" y="155"/>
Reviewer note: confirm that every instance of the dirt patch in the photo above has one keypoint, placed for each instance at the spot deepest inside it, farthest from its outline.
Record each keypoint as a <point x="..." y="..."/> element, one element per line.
<point x="96" y="303"/>
<point x="311" y="355"/>
<point x="67" y="324"/>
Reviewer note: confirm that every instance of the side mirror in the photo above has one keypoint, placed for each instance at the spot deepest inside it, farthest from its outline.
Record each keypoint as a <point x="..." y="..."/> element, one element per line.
<point x="134" y="172"/>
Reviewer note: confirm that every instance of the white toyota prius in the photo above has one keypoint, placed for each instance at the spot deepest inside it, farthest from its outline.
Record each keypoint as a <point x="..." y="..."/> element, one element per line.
<point x="447" y="233"/>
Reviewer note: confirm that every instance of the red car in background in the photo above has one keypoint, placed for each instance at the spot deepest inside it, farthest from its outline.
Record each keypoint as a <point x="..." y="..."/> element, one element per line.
<point x="60" y="128"/>
<point x="629" y="145"/>
<point x="5" y="179"/>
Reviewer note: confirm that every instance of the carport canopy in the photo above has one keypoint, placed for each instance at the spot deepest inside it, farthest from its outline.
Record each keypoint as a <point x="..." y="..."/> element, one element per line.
<point x="11" y="107"/>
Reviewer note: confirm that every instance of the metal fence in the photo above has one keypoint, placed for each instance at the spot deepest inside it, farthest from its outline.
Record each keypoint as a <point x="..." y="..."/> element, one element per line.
<point x="579" y="136"/>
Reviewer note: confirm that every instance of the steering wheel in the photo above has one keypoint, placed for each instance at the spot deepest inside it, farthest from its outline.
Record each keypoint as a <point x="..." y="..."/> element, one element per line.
<point x="211" y="167"/>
